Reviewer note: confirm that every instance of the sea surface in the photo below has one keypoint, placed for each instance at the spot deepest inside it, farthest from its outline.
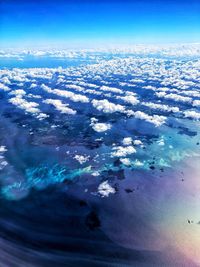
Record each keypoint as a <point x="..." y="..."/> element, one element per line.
<point x="99" y="161"/>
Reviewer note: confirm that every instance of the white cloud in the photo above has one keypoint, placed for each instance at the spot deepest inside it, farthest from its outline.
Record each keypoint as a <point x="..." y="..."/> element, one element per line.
<point x="33" y="85"/>
<point x="161" y="107"/>
<point x="196" y="103"/>
<point x="111" y="89"/>
<point x="138" y="163"/>
<point x="120" y="151"/>
<point x="174" y="97"/>
<point x="30" y="107"/>
<point x="72" y="96"/>
<point x="192" y="114"/>
<point x="4" y="87"/>
<point x="75" y="87"/>
<point x="129" y="99"/>
<point x="81" y="159"/>
<point x="155" y="119"/>
<point x="3" y="149"/>
<point x="137" y="142"/>
<point x="21" y="103"/>
<point x="125" y="161"/>
<point x="19" y="92"/>
<point x="127" y="141"/>
<point x="63" y="108"/>
<point x="104" y="189"/>
<point x="42" y="116"/>
<point x="106" y="106"/>
<point x="101" y="127"/>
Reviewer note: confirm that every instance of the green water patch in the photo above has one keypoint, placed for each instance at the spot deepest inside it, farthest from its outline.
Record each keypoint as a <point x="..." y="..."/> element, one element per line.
<point x="40" y="178"/>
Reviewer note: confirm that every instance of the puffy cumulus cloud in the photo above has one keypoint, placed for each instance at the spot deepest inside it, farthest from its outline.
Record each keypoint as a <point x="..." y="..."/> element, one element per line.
<point x="21" y="103"/>
<point x="178" y="98"/>
<point x="34" y="96"/>
<point x="137" y="142"/>
<point x="192" y="93"/>
<point x="174" y="97"/>
<point x="93" y="92"/>
<point x="137" y="81"/>
<point x="169" y="80"/>
<point x="46" y="88"/>
<point x="161" y="107"/>
<point x="161" y="141"/>
<point x="33" y="85"/>
<point x="155" y="119"/>
<point x="160" y="94"/>
<point x="3" y="149"/>
<point x="196" y="103"/>
<point x="192" y="114"/>
<point x="111" y="89"/>
<point x="29" y="107"/>
<point x="125" y="161"/>
<point x="18" y="92"/>
<point x="127" y="141"/>
<point x="131" y="99"/>
<point x="149" y="87"/>
<point x="66" y="94"/>
<point x="42" y="116"/>
<point x="63" y="108"/>
<point x="106" y="106"/>
<point x="91" y="85"/>
<point x="5" y="80"/>
<point x="138" y="163"/>
<point x="120" y="151"/>
<point x="4" y="87"/>
<point x="105" y="189"/>
<point x="72" y="96"/>
<point x="99" y="126"/>
<point x="75" y="87"/>
<point x="81" y="158"/>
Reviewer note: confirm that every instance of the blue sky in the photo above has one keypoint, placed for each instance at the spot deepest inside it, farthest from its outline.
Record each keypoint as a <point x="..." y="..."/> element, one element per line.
<point x="89" y="23"/>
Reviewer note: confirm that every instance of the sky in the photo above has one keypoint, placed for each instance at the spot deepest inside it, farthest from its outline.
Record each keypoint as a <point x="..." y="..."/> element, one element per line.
<point x="92" y="23"/>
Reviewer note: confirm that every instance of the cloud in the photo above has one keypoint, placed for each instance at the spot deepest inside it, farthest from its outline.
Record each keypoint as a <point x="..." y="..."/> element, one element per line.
<point x="155" y="119"/>
<point x="125" y="161"/>
<point x="111" y="89"/>
<point x="104" y="189"/>
<point x="73" y="97"/>
<point x="81" y="159"/>
<point x="192" y="114"/>
<point x="129" y="99"/>
<point x="174" y="97"/>
<point x="137" y="142"/>
<point x="29" y="107"/>
<point x="3" y="149"/>
<point x="4" y="87"/>
<point x="106" y="106"/>
<point x="196" y="103"/>
<point x="63" y="108"/>
<point x="120" y="151"/>
<point x="127" y="141"/>
<point x="75" y="87"/>
<point x="101" y="127"/>
<point x="19" y="92"/>
<point x="161" y="107"/>
<point x="21" y="103"/>
<point x="66" y="94"/>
